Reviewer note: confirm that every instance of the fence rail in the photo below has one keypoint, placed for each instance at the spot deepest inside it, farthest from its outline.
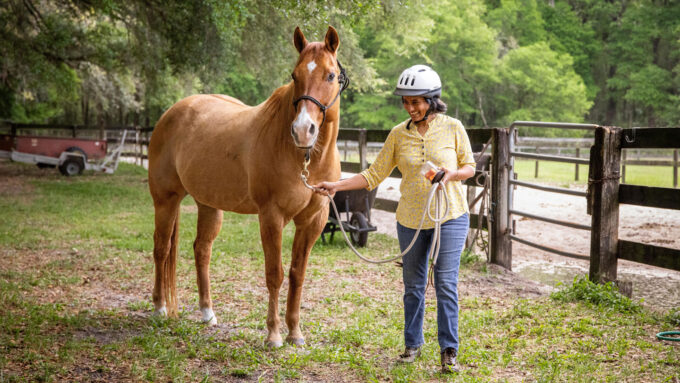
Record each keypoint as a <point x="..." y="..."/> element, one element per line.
<point x="606" y="192"/>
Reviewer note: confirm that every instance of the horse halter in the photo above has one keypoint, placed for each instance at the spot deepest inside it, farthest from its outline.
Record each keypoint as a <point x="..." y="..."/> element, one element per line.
<point x="343" y="80"/>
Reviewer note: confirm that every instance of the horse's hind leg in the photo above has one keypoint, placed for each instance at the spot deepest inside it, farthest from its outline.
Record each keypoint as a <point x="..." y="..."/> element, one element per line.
<point x="307" y="230"/>
<point x="209" y="224"/>
<point x="271" y="226"/>
<point x="165" y="239"/>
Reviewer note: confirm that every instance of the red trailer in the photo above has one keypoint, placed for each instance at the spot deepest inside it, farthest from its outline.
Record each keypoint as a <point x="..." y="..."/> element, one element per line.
<point x="54" y="146"/>
<point x="70" y="155"/>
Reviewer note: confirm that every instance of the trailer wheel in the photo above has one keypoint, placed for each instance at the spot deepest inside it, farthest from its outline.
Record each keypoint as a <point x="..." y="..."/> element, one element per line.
<point x="75" y="149"/>
<point x="359" y="238"/>
<point x="72" y="167"/>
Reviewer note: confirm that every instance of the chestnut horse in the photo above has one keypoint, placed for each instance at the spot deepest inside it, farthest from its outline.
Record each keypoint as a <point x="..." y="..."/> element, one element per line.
<point x="234" y="157"/>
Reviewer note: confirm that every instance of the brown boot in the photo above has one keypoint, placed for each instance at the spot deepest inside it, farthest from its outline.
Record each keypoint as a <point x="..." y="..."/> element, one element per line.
<point x="410" y="354"/>
<point x="449" y="363"/>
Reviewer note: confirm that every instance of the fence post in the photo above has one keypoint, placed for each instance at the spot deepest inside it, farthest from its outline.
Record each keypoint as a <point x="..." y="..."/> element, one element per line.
<point x="623" y="165"/>
<point x="603" y="203"/>
<point x="363" y="163"/>
<point x="675" y="168"/>
<point x="578" y="155"/>
<point x="138" y="148"/>
<point x="536" y="170"/>
<point x="501" y="246"/>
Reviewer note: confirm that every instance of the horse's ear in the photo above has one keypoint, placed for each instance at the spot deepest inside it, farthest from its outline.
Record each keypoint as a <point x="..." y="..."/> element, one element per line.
<point x="299" y="40"/>
<point x="332" y="39"/>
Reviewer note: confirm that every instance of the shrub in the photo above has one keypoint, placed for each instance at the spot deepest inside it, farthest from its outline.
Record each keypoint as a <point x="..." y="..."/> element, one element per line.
<point x="600" y="295"/>
<point x="673" y="317"/>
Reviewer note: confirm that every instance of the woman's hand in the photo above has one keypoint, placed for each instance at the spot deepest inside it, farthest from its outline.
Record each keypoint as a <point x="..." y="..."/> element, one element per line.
<point x="326" y="188"/>
<point x="357" y="181"/>
<point x="449" y="175"/>
<point x="460" y="174"/>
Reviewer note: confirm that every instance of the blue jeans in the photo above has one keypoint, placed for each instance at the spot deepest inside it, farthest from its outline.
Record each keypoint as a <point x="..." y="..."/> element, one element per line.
<point x="415" y="270"/>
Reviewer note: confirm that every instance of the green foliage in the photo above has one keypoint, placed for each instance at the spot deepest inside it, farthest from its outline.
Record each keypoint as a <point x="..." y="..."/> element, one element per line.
<point x="566" y="34"/>
<point x="673" y="317"/>
<point x="518" y="22"/>
<point x="535" y="79"/>
<point x="468" y="258"/>
<point x="115" y="61"/>
<point x="604" y="296"/>
<point x="464" y="53"/>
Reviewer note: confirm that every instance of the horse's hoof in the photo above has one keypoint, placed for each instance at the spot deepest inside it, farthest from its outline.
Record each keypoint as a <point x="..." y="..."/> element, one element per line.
<point x="271" y="344"/>
<point x="210" y="322"/>
<point x="209" y="317"/>
<point x="299" y="342"/>
<point x="161" y="312"/>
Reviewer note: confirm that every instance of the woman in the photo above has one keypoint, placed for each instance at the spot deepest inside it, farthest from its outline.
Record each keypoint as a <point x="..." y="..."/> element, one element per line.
<point x="428" y="135"/>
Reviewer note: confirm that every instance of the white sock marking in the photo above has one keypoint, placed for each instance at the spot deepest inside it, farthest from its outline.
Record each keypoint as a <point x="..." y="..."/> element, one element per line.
<point x="209" y="317"/>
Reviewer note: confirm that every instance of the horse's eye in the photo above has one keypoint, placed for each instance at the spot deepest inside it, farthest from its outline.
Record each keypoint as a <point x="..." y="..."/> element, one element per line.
<point x="331" y="77"/>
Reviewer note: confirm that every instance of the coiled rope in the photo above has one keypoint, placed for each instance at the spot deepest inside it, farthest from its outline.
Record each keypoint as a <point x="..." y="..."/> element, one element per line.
<point x="436" y="194"/>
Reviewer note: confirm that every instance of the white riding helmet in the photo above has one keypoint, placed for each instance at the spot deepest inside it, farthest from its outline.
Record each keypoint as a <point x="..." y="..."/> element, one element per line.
<point x="419" y="80"/>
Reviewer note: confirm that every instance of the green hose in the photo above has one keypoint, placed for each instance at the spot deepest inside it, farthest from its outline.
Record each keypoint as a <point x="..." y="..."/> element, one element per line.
<point x="665" y="336"/>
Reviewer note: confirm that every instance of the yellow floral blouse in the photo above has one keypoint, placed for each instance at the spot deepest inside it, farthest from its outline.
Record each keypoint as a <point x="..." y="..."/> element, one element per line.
<point x="446" y="144"/>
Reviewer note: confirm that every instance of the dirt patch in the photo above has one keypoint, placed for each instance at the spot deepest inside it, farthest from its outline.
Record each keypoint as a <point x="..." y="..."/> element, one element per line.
<point x="69" y="275"/>
<point x="14" y="180"/>
<point x="659" y="288"/>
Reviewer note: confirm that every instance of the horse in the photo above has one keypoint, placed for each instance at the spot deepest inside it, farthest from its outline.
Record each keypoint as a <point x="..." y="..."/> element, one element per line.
<point x="249" y="159"/>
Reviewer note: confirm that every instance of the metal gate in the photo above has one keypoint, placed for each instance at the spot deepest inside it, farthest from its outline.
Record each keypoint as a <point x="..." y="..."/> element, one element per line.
<point x="513" y="182"/>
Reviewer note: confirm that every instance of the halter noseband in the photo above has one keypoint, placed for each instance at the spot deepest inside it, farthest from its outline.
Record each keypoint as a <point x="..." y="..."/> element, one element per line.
<point x="343" y="80"/>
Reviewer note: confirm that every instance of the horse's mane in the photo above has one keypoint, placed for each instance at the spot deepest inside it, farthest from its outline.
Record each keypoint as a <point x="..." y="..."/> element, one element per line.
<point x="228" y="99"/>
<point x="281" y="96"/>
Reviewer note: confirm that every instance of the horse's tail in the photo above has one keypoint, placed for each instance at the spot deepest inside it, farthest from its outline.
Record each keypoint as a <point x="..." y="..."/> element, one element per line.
<point x="170" y="273"/>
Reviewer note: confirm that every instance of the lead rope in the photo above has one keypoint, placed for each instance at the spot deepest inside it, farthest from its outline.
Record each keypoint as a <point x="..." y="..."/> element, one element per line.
<point x="434" y="245"/>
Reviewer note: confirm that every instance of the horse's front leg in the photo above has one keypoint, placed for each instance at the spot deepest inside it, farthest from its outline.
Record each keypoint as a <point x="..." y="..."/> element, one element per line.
<point x="271" y="226"/>
<point x="207" y="229"/>
<point x="307" y="231"/>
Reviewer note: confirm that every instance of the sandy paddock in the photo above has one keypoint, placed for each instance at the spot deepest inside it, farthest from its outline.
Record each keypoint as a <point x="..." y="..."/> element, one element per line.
<point x="658" y="287"/>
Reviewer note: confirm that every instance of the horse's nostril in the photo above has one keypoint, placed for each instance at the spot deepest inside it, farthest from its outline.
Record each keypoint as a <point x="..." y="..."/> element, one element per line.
<point x="312" y="129"/>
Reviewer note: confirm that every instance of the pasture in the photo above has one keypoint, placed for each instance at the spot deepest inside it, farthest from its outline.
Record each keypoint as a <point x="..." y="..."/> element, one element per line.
<point x="563" y="174"/>
<point x="76" y="274"/>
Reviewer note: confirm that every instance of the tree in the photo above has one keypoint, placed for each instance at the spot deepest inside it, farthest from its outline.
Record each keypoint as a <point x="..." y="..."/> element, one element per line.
<point x="540" y="84"/>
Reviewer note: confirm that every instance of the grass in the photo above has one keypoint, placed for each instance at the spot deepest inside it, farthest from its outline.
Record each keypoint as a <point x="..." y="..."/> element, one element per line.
<point x="564" y="174"/>
<point x="76" y="278"/>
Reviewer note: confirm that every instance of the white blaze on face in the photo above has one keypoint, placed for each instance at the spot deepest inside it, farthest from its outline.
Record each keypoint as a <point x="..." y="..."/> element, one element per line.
<point x="301" y="129"/>
<point x="310" y="66"/>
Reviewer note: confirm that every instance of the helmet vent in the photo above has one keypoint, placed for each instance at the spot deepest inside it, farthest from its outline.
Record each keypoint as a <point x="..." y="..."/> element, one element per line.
<point x="413" y="81"/>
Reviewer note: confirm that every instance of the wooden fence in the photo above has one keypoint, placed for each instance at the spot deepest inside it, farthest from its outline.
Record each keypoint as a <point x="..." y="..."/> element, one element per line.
<point x="605" y="197"/>
<point x="580" y="148"/>
<point x="605" y="190"/>
<point x="605" y="193"/>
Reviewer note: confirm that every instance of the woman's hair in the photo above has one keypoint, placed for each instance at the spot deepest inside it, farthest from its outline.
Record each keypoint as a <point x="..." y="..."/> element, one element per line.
<point x="437" y="105"/>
